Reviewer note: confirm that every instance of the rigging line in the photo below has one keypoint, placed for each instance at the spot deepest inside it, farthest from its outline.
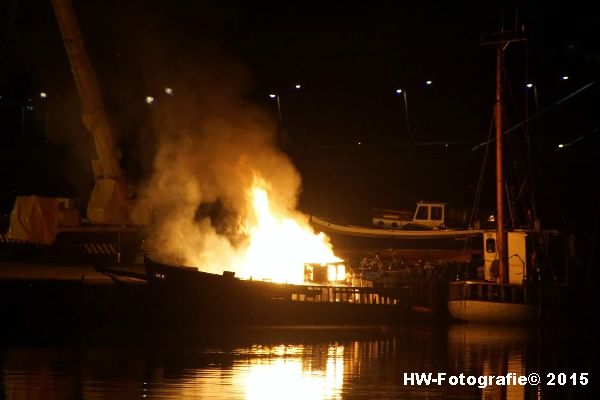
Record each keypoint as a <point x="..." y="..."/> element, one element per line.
<point x="501" y="17"/>
<point x="510" y="205"/>
<point x="519" y="118"/>
<point x="558" y="103"/>
<point x="545" y="110"/>
<point x="517" y="172"/>
<point x="527" y="132"/>
<point x="547" y="187"/>
<point x="516" y="14"/>
<point x="477" y="198"/>
<point x="597" y="129"/>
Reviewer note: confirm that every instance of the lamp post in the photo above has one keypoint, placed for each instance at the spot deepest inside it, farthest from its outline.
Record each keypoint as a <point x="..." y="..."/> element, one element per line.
<point x="535" y="95"/>
<point x="279" y="118"/>
<point x="403" y="93"/>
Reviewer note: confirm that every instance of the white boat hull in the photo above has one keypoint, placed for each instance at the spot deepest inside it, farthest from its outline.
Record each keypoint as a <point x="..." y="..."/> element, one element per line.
<point x="490" y="311"/>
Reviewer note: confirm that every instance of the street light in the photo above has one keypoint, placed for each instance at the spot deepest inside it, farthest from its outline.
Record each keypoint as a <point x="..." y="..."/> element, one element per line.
<point x="276" y="97"/>
<point x="403" y="93"/>
<point x="535" y="94"/>
<point x="298" y="86"/>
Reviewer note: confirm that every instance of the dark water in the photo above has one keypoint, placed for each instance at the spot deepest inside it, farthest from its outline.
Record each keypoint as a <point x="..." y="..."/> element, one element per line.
<point x="301" y="363"/>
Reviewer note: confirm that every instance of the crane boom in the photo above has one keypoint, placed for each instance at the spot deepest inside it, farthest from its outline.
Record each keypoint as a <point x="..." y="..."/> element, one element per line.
<point x="107" y="204"/>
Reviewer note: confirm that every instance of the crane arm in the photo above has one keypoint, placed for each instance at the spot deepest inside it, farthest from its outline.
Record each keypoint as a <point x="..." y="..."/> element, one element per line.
<point x="92" y="107"/>
<point x="108" y="202"/>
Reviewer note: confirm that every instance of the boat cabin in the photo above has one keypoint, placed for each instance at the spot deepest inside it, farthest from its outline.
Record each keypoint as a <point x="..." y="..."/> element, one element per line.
<point x="516" y="252"/>
<point x="426" y="216"/>
<point x="325" y="274"/>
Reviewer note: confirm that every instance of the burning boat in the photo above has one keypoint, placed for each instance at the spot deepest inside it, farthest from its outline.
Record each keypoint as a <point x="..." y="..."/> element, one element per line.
<point x="285" y="274"/>
<point x="326" y="298"/>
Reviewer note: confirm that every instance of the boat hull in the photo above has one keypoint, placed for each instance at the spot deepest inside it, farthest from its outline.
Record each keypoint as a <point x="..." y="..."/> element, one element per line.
<point x="197" y="298"/>
<point x="362" y="238"/>
<point x="488" y="311"/>
<point x="485" y="301"/>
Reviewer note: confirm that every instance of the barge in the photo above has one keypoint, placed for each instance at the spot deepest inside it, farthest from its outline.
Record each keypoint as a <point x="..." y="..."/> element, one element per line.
<point x="185" y="294"/>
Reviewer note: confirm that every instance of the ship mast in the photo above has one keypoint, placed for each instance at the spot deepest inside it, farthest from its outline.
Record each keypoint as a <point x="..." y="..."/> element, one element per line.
<point x="500" y="242"/>
<point x="501" y="40"/>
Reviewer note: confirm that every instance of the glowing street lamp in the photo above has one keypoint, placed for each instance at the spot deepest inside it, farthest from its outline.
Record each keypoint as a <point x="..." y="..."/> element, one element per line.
<point x="43" y="95"/>
<point x="276" y="97"/>
<point x="565" y="77"/>
<point x="149" y="99"/>
<point x="404" y="94"/>
<point x="169" y="91"/>
<point x="298" y="86"/>
<point x="428" y="83"/>
<point x="535" y="93"/>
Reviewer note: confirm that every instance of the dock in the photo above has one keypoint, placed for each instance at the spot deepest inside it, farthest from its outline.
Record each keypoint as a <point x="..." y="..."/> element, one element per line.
<point x="68" y="302"/>
<point x="87" y="274"/>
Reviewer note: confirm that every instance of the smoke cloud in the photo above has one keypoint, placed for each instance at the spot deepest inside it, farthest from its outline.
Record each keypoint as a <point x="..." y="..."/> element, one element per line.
<point x="210" y="149"/>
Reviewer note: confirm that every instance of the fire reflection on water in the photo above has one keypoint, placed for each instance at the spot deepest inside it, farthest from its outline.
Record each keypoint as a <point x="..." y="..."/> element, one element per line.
<point x="268" y="372"/>
<point x="493" y="351"/>
<point x="293" y="377"/>
<point x="313" y="365"/>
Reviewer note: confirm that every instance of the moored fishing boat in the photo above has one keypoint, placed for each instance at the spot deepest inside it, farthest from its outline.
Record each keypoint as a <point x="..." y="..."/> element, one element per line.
<point x="519" y="299"/>
<point x="516" y="285"/>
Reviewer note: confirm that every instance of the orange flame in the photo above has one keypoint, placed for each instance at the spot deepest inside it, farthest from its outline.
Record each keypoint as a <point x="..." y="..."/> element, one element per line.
<point x="280" y="242"/>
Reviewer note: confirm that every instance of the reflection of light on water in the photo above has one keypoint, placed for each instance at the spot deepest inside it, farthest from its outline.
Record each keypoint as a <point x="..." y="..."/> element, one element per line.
<point x="516" y="364"/>
<point x="280" y="350"/>
<point x="491" y="350"/>
<point x="294" y="378"/>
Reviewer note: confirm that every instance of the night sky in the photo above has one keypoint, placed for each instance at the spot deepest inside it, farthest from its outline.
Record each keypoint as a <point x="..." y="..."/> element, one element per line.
<point x="346" y="124"/>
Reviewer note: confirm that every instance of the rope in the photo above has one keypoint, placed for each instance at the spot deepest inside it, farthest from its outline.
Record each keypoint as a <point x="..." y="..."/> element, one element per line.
<point x="545" y="110"/>
<point x="481" y="175"/>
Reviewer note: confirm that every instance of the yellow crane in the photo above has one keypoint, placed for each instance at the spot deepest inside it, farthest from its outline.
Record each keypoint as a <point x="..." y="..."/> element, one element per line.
<point x="108" y="202"/>
<point x="57" y="221"/>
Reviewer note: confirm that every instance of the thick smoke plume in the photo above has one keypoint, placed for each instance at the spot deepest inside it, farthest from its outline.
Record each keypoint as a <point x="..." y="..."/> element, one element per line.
<point x="204" y="168"/>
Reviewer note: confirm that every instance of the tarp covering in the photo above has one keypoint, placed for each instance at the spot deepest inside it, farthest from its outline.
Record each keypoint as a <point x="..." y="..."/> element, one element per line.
<point x="34" y="219"/>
